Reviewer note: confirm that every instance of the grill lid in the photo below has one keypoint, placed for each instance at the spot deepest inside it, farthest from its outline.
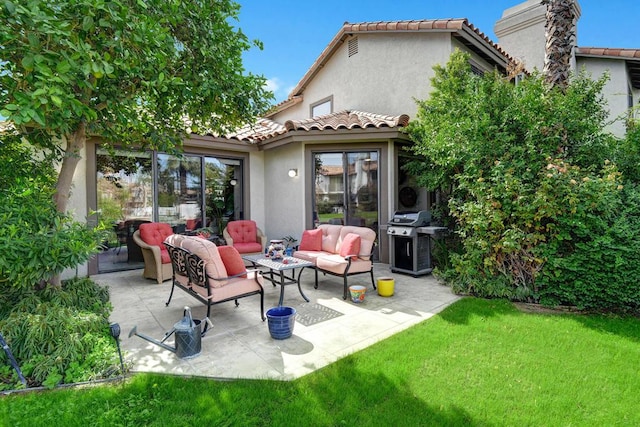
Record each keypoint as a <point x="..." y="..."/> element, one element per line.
<point x="411" y="219"/>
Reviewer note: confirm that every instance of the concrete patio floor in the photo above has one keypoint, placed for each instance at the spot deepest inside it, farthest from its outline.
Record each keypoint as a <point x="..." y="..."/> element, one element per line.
<point x="239" y="345"/>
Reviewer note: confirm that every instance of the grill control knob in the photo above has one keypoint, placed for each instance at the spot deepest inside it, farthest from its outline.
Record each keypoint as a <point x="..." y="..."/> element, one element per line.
<point x="404" y="232"/>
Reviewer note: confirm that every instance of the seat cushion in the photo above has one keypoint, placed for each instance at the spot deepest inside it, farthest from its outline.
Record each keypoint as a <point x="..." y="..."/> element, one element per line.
<point x="243" y="231"/>
<point x="164" y="255"/>
<point x="350" y="245"/>
<point x="235" y="287"/>
<point x="311" y="256"/>
<point x="208" y="252"/>
<point x="330" y="237"/>
<point x="311" y="240"/>
<point x="154" y="233"/>
<point x="248" y="248"/>
<point x="173" y="240"/>
<point x="232" y="260"/>
<point x="337" y="264"/>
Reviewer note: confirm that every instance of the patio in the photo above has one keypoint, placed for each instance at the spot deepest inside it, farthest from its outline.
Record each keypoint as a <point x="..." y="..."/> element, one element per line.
<point x="239" y="345"/>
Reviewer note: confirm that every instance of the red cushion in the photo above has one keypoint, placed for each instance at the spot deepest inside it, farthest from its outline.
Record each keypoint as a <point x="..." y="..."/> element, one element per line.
<point x="243" y="231"/>
<point x="164" y="255"/>
<point x="350" y="245"/>
<point x="311" y="240"/>
<point x="232" y="260"/>
<point x="154" y="233"/>
<point x="248" y="248"/>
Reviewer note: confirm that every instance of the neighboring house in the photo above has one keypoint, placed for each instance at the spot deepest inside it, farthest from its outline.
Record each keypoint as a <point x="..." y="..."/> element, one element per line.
<point x="332" y="152"/>
<point x="521" y="32"/>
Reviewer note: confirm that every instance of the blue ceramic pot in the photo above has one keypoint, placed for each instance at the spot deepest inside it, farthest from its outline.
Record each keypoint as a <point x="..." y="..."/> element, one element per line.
<point x="281" y="321"/>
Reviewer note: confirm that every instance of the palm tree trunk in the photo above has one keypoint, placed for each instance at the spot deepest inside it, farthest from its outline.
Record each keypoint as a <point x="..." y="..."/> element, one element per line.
<point x="560" y="33"/>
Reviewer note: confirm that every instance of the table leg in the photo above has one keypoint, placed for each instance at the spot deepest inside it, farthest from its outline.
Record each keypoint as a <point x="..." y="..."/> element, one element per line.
<point x="299" y="288"/>
<point x="273" y="281"/>
<point x="281" y="287"/>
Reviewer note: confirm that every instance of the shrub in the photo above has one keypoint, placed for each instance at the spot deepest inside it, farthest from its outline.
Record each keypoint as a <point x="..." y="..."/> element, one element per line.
<point x="36" y="241"/>
<point x="594" y="263"/>
<point x="61" y="334"/>
<point x="533" y="197"/>
<point x="57" y="333"/>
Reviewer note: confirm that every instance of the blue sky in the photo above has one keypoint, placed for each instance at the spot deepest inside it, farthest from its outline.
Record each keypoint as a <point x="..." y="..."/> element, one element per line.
<point x="295" y="32"/>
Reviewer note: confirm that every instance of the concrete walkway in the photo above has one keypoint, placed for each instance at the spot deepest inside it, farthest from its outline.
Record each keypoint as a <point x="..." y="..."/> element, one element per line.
<point x="239" y="345"/>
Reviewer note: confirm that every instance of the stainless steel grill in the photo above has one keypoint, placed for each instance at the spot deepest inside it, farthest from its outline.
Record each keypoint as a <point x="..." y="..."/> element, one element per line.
<point x="410" y="239"/>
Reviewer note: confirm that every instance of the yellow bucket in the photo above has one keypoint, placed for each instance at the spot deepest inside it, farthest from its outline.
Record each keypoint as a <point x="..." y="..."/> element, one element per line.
<point x="385" y="286"/>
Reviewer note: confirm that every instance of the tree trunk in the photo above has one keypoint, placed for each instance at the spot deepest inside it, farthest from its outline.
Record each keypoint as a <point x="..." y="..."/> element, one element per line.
<point x="75" y="143"/>
<point x="560" y="33"/>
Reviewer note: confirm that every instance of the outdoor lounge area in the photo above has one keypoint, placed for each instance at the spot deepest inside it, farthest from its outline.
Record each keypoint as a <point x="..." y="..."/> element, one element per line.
<point x="327" y="328"/>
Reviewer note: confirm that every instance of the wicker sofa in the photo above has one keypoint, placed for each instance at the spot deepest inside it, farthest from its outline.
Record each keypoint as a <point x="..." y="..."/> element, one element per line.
<point x="338" y="250"/>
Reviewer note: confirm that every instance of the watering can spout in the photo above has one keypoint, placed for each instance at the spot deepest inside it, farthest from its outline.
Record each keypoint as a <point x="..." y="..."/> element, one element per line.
<point x="134" y="331"/>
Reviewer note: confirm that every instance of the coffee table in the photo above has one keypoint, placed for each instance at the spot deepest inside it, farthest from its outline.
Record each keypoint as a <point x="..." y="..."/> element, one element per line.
<point x="287" y="263"/>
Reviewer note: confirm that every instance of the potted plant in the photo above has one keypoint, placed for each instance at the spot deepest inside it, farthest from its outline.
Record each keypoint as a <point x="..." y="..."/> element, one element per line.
<point x="290" y="242"/>
<point x="203" y="233"/>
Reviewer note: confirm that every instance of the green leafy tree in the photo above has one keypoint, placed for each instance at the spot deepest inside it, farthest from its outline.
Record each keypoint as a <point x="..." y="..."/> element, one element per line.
<point x="531" y="190"/>
<point x="36" y="241"/>
<point x="132" y="72"/>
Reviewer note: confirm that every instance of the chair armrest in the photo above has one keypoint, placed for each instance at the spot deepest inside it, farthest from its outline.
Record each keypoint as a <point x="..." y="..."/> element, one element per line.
<point x="261" y="237"/>
<point x="144" y="245"/>
<point x="227" y="237"/>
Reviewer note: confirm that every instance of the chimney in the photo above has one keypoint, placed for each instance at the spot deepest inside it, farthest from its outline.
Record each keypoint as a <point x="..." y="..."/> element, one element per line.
<point x="521" y="30"/>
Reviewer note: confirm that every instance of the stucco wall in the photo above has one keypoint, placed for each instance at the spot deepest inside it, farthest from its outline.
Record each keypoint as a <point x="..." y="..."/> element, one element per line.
<point x="616" y="89"/>
<point x="256" y="188"/>
<point x="385" y="75"/>
<point x="284" y="205"/>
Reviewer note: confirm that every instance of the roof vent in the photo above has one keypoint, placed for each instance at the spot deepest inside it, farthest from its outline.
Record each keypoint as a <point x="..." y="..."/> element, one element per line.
<point x="353" y="46"/>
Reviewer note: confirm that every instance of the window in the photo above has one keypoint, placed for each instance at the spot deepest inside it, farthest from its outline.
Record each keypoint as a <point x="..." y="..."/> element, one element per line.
<point x="346" y="188"/>
<point x="476" y="68"/>
<point x="322" y="107"/>
<point x="132" y="188"/>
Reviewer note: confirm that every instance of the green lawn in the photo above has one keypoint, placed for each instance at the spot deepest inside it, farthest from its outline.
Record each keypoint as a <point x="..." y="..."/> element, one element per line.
<point x="479" y="363"/>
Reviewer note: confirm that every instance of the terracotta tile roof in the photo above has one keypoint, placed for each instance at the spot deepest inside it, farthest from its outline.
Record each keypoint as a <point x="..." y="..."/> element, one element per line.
<point x="631" y="56"/>
<point x="347" y="120"/>
<point x="465" y="31"/>
<point x="609" y="52"/>
<point x="328" y="170"/>
<point x="259" y="131"/>
<point x="264" y="129"/>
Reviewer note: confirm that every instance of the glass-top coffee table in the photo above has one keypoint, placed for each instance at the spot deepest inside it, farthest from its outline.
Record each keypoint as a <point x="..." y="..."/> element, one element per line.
<point x="287" y="263"/>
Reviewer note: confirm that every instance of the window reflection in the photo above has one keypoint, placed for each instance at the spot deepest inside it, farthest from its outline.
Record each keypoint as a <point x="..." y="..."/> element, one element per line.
<point x="346" y="188"/>
<point x="180" y="191"/>
<point x="124" y="201"/>
<point x="185" y="185"/>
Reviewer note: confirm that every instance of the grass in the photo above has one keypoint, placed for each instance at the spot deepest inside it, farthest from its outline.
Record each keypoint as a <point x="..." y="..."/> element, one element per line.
<point x="478" y="363"/>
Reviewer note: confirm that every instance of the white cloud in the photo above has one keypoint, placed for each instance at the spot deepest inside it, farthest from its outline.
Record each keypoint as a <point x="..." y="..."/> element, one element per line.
<point x="276" y="86"/>
<point x="273" y="84"/>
